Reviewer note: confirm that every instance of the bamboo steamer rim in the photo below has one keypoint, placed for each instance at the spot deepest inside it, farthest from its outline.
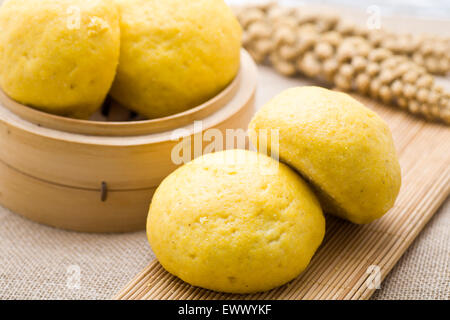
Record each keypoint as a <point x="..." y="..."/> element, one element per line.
<point x="212" y="112"/>
<point x="121" y="128"/>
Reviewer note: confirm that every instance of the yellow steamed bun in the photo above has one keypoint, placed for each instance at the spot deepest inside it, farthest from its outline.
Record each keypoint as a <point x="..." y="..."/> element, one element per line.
<point x="175" y="54"/>
<point x="55" y="59"/>
<point x="239" y="226"/>
<point x="342" y="147"/>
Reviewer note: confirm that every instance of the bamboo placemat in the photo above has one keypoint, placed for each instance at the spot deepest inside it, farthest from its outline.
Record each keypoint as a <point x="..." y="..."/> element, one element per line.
<point x="339" y="270"/>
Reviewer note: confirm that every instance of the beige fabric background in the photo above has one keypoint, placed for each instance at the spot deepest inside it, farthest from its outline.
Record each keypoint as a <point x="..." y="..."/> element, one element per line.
<point x="36" y="261"/>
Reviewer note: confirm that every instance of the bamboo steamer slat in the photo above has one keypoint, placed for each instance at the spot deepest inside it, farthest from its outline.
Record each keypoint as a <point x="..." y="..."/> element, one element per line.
<point x="52" y="168"/>
<point x="122" y="128"/>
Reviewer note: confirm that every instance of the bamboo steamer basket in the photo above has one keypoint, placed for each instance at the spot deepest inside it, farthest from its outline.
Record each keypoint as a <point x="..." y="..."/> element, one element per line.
<point x="99" y="176"/>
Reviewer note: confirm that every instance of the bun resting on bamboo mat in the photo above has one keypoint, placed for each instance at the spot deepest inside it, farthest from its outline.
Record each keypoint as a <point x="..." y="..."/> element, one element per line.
<point x="59" y="56"/>
<point x="328" y="48"/>
<point x="235" y="221"/>
<point x="344" y="149"/>
<point x="175" y="54"/>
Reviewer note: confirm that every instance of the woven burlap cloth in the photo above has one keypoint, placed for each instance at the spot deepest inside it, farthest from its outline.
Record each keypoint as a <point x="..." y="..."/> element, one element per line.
<point x="40" y="262"/>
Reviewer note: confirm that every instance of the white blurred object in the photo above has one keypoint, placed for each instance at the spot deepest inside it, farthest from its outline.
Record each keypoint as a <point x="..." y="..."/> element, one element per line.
<point x="418" y="8"/>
